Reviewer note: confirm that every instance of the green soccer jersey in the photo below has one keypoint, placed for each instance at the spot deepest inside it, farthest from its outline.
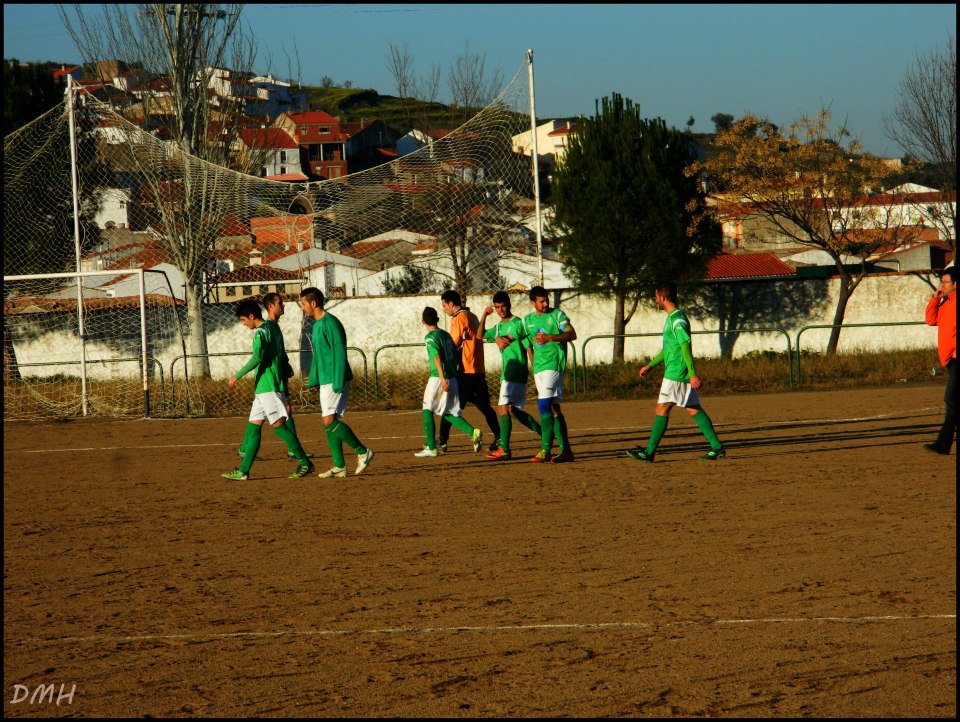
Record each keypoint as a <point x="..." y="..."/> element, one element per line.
<point x="552" y="355"/>
<point x="439" y="342"/>
<point x="286" y="370"/>
<point x="330" y="364"/>
<point x="676" y="332"/>
<point x="267" y="359"/>
<point x="514" y="356"/>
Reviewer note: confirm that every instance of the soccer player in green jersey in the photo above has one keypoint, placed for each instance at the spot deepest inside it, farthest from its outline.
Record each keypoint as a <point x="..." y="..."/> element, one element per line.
<point x="548" y="331"/>
<point x="269" y="402"/>
<point x="273" y="302"/>
<point x="440" y="395"/>
<point x="510" y="336"/>
<point x="681" y="383"/>
<point x="330" y="375"/>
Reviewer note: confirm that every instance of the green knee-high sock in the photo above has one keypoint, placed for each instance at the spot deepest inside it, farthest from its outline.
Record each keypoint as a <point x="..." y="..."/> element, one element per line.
<point x="706" y="426"/>
<point x="429" y="429"/>
<point x="292" y="443"/>
<point x="460" y="423"/>
<point x="560" y="424"/>
<point x="546" y="432"/>
<point x="527" y="420"/>
<point x="336" y="448"/>
<point x="656" y="433"/>
<point x="291" y="426"/>
<point x="346" y="435"/>
<point x="251" y="445"/>
<point x="506" y="426"/>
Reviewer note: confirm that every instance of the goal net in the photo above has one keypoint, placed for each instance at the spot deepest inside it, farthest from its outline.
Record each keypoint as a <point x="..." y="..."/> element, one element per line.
<point x="448" y="208"/>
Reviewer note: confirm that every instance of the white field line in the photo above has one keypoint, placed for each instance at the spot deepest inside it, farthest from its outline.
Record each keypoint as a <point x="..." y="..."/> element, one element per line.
<point x="412" y="631"/>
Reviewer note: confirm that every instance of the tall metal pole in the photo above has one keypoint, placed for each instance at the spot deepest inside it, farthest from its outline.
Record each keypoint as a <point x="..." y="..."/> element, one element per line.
<point x="75" y="180"/>
<point x="536" y="166"/>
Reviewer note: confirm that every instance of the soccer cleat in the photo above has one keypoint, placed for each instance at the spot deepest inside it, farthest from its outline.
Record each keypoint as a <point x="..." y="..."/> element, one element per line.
<point x="714" y="454"/>
<point x="494" y="445"/>
<point x="363" y="460"/>
<point x="291" y="455"/>
<point x="640" y="455"/>
<point x="335" y="472"/>
<point x="499" y="453"/>
<point x="564" y="457"/>
<point x="935" y="449"/>
<point x="442" y="448"/>
<point x="543" y="457"/>
<point x="427" y="452"/>
<point x="302" y="471"/>
<point x="235" y="475"/>
<point x="477" y="440"/>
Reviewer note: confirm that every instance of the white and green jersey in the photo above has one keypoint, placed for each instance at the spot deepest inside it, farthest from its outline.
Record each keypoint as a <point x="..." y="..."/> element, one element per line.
<point x="676" y="332"/>
<point x="552" y="355"/>
<point x="439" y="342"/>
<point x="514" y="356"/>
<point x="268" y="359"/>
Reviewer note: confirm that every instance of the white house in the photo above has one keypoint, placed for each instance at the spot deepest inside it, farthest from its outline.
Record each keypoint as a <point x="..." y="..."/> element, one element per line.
<point x="114" y="211"/>
<point x="551" y="142"/>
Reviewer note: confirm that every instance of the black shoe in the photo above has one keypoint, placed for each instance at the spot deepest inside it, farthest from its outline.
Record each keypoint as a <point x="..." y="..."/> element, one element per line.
<point x="494" y="446"/>
<point x="935" y="449"/>
<point x="640" y="455"/>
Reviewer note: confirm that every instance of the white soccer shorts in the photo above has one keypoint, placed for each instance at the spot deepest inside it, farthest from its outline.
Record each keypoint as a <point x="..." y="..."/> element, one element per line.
<point x="270" y="406"/>
<point x="679" y="393"/>
<point x="512" y="393"/>
<point x="441" y="402"/>
<point x="549" y="385"/>
<point x="332" y="403"/>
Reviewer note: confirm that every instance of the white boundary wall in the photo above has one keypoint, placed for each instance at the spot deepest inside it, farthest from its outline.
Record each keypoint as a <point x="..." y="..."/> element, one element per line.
<point x="374" y="322"/>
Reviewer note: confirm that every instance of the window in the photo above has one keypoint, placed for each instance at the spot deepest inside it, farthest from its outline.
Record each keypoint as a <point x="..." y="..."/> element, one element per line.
<point x="264" y="289"/>
<point x="280" y="288"/>
<point x="324" y="129"/>
<point x="283" y="156"/>
<point x="231" y="290"/>
<point x="283" y="169"/>
<point x="246" y="290"/>
<point x="303" y="130"/>
<point x="263" y="171"/>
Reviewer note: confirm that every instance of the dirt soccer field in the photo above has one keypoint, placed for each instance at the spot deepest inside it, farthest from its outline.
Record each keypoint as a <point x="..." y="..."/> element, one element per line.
<point x="811" y="573"/>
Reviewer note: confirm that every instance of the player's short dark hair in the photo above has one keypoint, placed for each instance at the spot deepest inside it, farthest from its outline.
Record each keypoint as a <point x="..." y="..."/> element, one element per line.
<point x="248" y="307"/>
<point x="538" y="292"/>
<point x="270" y="298"/>
<point x="430" y="316"/>
<point x="952" y="272"/>
<point x="451" y="296"/>
<point x="313" y="295"/>
<point x="667" y="289"/>
<point x="502" y="297"/>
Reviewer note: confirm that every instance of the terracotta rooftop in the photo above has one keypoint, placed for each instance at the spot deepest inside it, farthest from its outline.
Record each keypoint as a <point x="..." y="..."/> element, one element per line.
<point x="747" y="265"/>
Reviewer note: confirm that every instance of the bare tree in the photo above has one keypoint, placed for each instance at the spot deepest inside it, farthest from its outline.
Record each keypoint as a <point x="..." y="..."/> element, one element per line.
<point x="411" y="89"/>
<point x="177" y="49"/>
<point x="924" y="123"/>
<point x="470" y="88"/>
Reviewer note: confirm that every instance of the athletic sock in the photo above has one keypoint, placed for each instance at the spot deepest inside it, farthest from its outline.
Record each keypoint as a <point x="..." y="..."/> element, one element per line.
<point x="292" y="443"/>
<point x="527" y="420"/>
<point x="336" y="448"/>
<point x="250" y="446"/>
<point x="546" y="432"/>
<point x="656" y="433"/>
<point x="429" y="429"/>
<point x="460" y="423"/>
<point x="560" y="424"/>
<point x="346" y="435"/>
<point x="506" y="426"/>
<point x="291" y="426"/>
<point x="706" y="426"/>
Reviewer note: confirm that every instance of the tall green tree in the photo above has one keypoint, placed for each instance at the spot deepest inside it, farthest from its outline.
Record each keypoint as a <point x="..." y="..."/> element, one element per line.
<point x="629" y="214"/>
<point x="29" y="91"/>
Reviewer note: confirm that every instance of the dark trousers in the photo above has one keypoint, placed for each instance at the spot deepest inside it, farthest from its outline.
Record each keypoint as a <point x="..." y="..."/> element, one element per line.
<point x="473" y="389"/>
<point x="949" y="429"/>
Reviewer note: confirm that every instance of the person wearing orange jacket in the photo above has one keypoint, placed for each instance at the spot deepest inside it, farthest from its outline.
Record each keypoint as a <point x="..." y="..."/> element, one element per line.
<point x="471" y="373"/>
<point x="942" y="313"/>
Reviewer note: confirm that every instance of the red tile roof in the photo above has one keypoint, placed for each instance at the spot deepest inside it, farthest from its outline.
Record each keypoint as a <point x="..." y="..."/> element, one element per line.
<point x="311" y="116"/>
<point x="267" y="138"/>
<point x="747" y="265"/>
<point x="365" y="248"/>
<point x="258" y="273"/>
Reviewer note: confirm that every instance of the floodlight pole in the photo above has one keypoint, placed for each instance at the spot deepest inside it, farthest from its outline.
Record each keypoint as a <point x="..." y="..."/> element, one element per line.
<point x="536" y="167"/>
<point x="74" y="179"/>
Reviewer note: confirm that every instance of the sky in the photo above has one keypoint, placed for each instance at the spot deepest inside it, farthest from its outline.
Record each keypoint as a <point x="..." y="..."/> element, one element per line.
<point x="675" y="61"/>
